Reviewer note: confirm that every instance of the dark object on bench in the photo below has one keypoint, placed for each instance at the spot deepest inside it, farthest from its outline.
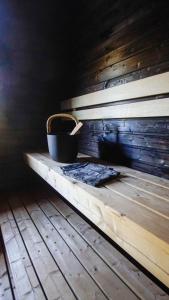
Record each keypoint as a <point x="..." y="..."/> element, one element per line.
<point x="62" y="146"/>
<point x="90" y="173"/>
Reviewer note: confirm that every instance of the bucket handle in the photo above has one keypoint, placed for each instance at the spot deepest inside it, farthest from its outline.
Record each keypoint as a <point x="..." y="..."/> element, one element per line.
<point x="51" y="118"/>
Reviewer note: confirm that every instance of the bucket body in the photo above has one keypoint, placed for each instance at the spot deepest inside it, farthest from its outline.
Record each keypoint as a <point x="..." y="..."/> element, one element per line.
<point x="63" y="147"/>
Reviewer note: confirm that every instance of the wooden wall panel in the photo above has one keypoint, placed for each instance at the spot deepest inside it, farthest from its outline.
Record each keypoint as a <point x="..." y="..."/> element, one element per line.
<point x="141" y="144"/>
<point x="121" y="42"/>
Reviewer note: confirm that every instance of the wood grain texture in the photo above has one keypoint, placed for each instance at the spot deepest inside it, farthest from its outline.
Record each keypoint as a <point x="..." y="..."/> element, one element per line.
<point x="138" y="143"/>
<point x="50" y="276"/>
<point x="64" y="256"/>
<point x="136" y="40"/>
<point x="133" y="48"/>
<point x="139" y="109"/>
<point x="108" y="282"/>
<point x="97" y="269"/>
<point x="62" y="230"/>
<point x="153" y="85"/>
<point x="138" y="229"/>
<point x="5" y="287"/>
<point x="24" y="278"/>
<point x="140" y="284"/>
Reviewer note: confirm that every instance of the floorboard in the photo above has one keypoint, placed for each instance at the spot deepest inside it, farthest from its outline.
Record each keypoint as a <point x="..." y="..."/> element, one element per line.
<point x="53" y="253"/>
<point x="5" y="287"/>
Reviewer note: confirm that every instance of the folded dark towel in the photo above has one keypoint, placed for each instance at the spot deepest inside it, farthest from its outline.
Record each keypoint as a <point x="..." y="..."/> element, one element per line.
<point x="90" y="173"/>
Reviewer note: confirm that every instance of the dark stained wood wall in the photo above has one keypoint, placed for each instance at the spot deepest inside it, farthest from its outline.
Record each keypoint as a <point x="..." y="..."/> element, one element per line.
<point x="34" y="58"/>
<point x="118" y="42"/>
<point x="51" y="50"/>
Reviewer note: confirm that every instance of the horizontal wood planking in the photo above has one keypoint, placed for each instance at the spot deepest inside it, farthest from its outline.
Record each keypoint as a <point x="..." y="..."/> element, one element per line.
<point x="153" y="85"/>
<point x="134" y="48"/>
<point x="123" y="79"/>
<point x="156" y="158"/>
<point x="128" y="223"/>
<point x="121" y="54"/>
<point x="126" y="15"/>
<point x="139" y="109"/>
<point x="136" y="27"/>
<point x="141" y="143"/>
<point x="119" y="46"/>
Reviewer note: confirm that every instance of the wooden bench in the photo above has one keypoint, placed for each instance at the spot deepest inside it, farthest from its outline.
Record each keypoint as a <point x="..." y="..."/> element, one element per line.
<point x="132" y="211"/>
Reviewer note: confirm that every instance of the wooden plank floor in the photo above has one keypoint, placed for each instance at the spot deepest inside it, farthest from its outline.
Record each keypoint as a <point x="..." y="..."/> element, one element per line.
<point x="132" y="210"/>
<point x="53" y="253"/>
<point x="5" y="287"/>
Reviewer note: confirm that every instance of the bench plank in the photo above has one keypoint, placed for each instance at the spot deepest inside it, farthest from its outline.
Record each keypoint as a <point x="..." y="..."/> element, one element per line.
<point x="141" y="197"/>
<point x="153" y="85"/>
<point x="140" y="231"/>
<point x="139" y="109"/>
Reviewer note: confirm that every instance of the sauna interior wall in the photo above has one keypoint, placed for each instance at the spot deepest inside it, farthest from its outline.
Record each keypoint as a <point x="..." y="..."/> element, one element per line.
<point x="119" y="42"/>
<point x="35" y="49"/>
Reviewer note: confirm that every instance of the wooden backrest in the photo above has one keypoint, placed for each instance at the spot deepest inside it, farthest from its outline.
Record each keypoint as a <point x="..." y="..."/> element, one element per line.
<point x="128" y="100"/>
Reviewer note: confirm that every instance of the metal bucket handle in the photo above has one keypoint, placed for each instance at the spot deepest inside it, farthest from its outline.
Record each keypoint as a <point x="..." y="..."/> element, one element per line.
<point x="51" y="118"/>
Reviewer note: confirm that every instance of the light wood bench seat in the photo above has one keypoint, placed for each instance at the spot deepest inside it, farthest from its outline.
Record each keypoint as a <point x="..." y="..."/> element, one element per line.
<point x="132" y="210"/>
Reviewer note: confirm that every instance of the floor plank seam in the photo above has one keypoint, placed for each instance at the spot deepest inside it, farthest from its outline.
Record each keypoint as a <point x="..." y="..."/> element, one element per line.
<point x="139" y="203"/>
<point x="50" y="252"/>
<point x="37" y="213"/>
<point x="7" y="264"/>
<point x="27" y="252"/>
<point x="95" y="253"/>
<point x="149" y="276"/>
<point x="101" y="257"/>
<point x="75" y="255"/>
<point x="150" y="193"/>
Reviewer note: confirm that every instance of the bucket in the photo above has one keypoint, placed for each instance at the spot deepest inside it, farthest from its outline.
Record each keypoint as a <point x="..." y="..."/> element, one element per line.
<point x="62" y="147"/>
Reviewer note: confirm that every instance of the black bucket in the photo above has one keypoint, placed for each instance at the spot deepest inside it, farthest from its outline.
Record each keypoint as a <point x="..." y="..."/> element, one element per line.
<point x="62" y="147"/>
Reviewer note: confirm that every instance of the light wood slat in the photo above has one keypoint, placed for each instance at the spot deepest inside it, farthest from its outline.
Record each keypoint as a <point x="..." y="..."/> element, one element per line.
<point x="148" y="178"/>
<point x="112" y="286"/>
<point x="82" y="284"/>
<point x="139" y="109"/>
<point x="5" y="289"/>
<point x="153" y="203"/>
<point x="26" y="284"/>
<point x="153" y="85"/>
<point x="129" y="273"/>
<point x="38" y="293"/>
<point x="148" y="187"/>
<point x="11" y="277"/>
<point x="20" y="276"/>
<point x="51" y="279"/>
<point x="136" y="229"/>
